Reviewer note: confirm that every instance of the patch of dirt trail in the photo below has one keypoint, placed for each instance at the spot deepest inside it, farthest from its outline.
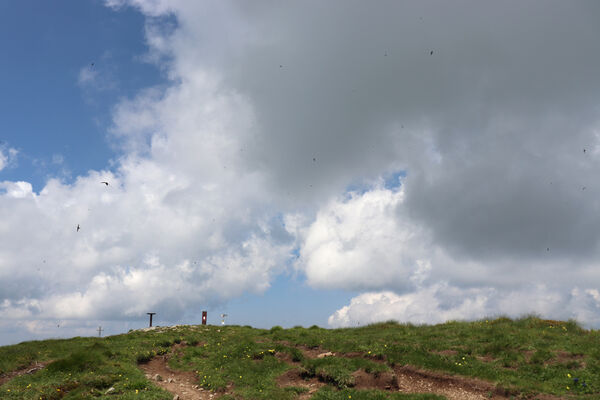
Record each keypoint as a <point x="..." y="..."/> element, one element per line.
<point x="179" y="383"/>
<point x="293" y="377"/>
<point x="30" y="369"/>
<point x="403" y="379"/>
<point x="411" y="379"/>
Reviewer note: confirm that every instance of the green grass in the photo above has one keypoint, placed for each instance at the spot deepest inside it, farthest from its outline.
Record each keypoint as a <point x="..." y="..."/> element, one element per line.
<point x="338" y="370"/>
<point x="525" y="356"/>
<point x="328" y="393"/>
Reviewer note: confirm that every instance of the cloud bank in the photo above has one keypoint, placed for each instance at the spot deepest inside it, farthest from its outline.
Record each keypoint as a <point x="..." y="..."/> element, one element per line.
<point x="276" y="140"/>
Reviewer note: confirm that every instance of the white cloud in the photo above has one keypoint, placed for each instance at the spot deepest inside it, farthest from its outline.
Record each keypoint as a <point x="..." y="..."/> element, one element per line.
<point x="8" y="157"/>
<point x="87" y="76"/>
<point x="441" y="302"/>
<point x="148" y="7"/>
<point x="360" y="243"/>
<point x="243" y="160"/>
<point x="181" y="224"/>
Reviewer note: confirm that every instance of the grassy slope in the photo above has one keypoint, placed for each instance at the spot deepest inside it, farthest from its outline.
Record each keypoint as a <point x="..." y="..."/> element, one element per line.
<point x="528" y="355"/>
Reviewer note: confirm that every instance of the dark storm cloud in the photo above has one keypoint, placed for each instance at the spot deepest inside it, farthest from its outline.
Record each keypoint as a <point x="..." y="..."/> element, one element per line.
<point x="490" y="128"/>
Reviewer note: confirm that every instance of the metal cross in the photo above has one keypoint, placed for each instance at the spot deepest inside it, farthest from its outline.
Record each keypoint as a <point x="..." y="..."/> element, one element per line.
<point x="100" y="331"/>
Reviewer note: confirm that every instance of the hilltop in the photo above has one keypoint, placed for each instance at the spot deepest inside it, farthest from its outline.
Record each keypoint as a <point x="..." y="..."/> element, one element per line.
<point x="497" y="359"/>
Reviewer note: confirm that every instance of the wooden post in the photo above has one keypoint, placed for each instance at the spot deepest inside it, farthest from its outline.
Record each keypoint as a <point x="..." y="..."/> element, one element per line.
<point x="151" y="314"/>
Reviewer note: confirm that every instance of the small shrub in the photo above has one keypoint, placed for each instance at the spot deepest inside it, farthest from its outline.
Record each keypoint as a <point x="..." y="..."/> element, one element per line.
<point x="83" y="360"/>
<point x="98" y="381"/>
<point x="143" y="358"/>
<point x="296" y="354"/>
<point x="165" y="343"/>
<point x="540" y="356"/>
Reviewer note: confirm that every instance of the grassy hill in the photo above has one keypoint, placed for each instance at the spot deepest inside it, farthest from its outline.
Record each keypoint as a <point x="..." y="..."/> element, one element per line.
<point x="501" y="358"/>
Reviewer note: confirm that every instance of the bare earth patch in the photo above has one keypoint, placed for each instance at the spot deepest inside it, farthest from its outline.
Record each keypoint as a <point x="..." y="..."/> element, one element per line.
<point x="381" y="381"/>
<point x="180" y="383"/>
<point x="293" y="377"/>
<point x="413" y="380"/>
<point x="30" y="369"/>
<point x="404" y="379"/>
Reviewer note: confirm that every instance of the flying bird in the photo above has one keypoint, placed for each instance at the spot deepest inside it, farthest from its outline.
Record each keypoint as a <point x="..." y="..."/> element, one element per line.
<point x="78" y="228"/>
<point x="431" y="53"/>
<point x="106" y="183"/>
<point x="584" y="150"/>
<point x="314" y="159"/>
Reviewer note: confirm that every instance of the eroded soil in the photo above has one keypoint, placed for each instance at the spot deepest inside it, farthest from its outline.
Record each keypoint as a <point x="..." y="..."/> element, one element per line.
<point x="30" y="369"/>
<point x="404" y="379"/>
<point x="179" y="383"/>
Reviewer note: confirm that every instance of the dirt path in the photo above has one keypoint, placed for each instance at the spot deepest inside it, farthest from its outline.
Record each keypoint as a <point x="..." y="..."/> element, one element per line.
<point x="403" y="379"/>
<point x="30" y="369"/>
<point x="293" y="377"/>
<point x="180" y="383"/>
<point x="412" y="380"/>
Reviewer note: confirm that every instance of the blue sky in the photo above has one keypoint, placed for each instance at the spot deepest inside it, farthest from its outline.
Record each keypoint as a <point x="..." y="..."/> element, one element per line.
<point x="296" y="163"/>
<point x="45" y="112"/>
<point x="60" y="127"/>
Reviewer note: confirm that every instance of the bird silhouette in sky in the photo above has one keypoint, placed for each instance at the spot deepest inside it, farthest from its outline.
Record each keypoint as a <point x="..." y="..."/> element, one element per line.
<point x="314" y="159"/>
<point x="431" y="53"/>
<point x="78" y="228"/>
<point x="584" y="151"/>
<point x="106" y="183"/>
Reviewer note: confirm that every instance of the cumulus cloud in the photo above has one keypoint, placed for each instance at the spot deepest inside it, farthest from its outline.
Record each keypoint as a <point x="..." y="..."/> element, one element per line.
<point x="181" y="225"/>
<point x="358" y="243"/>
<point x="273" y="116"/>
<point x="441" y="302"/>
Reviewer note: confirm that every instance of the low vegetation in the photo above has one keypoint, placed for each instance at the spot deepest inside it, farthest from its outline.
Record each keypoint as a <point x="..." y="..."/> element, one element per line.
<point x="521" y="358"/>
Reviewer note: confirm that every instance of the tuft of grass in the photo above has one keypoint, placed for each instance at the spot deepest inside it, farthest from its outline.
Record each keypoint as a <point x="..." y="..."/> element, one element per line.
<point x="327" y="393"/>
<point x="338" y="370"/>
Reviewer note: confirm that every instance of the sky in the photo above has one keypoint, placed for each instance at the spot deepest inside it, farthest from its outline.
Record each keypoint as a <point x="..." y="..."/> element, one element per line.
<point x="296" y="163"/>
